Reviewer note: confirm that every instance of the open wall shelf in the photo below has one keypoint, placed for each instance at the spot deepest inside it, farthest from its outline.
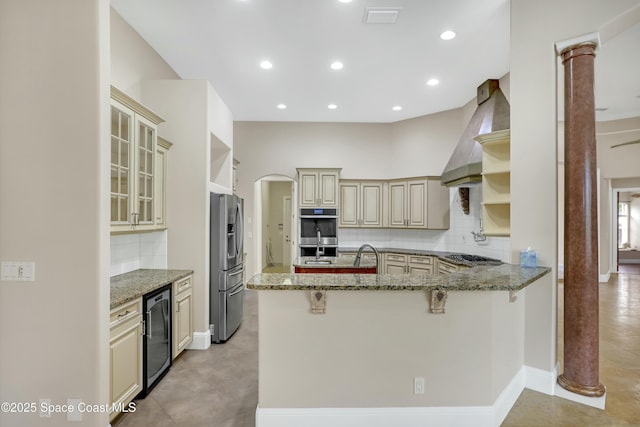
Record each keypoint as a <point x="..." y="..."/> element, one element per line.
<point x="496" y="182"/>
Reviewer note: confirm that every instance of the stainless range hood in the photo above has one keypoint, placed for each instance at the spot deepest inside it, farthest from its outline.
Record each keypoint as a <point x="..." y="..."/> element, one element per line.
<point x="465" y="165"/>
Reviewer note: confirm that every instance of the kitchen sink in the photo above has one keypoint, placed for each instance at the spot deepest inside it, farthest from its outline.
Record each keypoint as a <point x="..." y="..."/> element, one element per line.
<point x="318" y="262"/>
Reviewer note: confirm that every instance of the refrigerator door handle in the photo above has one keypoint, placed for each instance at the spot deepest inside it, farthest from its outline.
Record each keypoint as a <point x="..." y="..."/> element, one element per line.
<point x="236" y="273"/>
<point x="239" y="235"/>
<point x="237" y="292"/>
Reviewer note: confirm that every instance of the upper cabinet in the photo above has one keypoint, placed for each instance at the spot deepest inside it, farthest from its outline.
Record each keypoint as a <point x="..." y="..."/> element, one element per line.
<point x="418" y="203"/>
<point x="160" y="194"/>
<point x="496" y="182"/>
<point x="408" y="203"/>
<point x="134" y="174"/>
<point x="361" y="203"/>
<point x="318" y="187"/>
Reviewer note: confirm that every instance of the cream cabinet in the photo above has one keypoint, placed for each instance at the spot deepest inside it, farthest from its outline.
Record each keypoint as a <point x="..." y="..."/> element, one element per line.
<point x="182" y="314"/>
<point x="445" y="267"/>
<point x="366" y="256"/>
<point x="318" y="187"/>
<point x="133" y="164"/>
<point x="125" y="353"/>
<point x="408" y="264"/>
<point x="496" y="182"/>
<point x="160" y="188"/>
<point x="361" y="203"/>
<point x="408" y="203"/>
<point x="418" y="203"/>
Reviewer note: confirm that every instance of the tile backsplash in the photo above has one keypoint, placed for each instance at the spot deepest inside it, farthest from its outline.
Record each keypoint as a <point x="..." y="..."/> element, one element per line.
<point x="141" y="250"/>
<point x="457" y="239"/>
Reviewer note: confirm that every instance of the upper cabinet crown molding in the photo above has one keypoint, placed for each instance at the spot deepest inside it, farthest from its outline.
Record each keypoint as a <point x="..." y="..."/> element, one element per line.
<point x="164" y="143"/>
<point x="129" y="102"/>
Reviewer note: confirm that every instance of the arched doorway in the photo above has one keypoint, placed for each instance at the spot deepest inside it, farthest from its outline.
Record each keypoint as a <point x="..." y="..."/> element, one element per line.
<point x="274" y="225"/>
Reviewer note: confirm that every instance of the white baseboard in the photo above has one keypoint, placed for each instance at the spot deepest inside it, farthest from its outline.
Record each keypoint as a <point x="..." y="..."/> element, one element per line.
<point x="547" y="383"/>
<point x="201" y="341"/>
<point x="482" y="416"/>
<point x="541" y="381"/>
<point x="476" y="416"/>
<point x="604" y="278"/>
<point x="596" y="402"/>
<point x="508" y="397"/>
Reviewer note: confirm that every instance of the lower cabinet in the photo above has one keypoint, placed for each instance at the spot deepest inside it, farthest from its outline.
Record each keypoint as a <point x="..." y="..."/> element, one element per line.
<point x="407" y="264"/>
<point x="445" y="267"/>
<point x="182" y="314"/>
<point x="125" y="354"/>
<point x="126" y="342"/>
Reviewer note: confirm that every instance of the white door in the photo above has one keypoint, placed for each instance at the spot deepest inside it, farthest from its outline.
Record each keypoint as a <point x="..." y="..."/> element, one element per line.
<point x="286" y="232"/>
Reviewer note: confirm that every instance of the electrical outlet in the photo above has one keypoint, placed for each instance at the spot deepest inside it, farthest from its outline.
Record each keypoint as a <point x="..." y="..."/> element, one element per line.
<point x="418" y="385"/>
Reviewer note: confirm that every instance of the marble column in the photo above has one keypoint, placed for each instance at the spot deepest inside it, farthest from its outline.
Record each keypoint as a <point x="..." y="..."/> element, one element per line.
<point x="581" y="225"/>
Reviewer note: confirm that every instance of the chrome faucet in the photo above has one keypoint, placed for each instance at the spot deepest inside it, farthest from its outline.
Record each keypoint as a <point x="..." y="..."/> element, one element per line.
<point x="318" y="236"/>
<point x="479" y="236"/>
<point x="356" y="262"/>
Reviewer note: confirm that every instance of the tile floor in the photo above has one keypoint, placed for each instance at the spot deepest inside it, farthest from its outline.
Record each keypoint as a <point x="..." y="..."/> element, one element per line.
<point x="219" y="387"/>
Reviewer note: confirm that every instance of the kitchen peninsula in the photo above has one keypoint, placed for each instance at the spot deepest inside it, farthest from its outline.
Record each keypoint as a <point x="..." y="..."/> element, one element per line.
<point x="391" y="349"/>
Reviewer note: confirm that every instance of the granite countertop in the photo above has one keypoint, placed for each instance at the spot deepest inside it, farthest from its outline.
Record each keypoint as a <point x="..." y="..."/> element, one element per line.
<point x="129" y="286"/>
<point x="503" y="277"/>
<point x="423" y="252"/>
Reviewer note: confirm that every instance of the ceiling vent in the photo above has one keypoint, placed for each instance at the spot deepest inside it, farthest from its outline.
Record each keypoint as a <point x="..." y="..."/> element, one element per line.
<point x="381" y="15"/>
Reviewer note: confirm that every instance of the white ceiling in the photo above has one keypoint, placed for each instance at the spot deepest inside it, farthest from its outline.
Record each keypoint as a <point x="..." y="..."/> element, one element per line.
<point x="224" y="41"/>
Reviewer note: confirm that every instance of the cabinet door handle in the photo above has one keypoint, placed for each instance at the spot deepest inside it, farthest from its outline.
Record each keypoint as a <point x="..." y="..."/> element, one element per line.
<point x="126" y="313"/>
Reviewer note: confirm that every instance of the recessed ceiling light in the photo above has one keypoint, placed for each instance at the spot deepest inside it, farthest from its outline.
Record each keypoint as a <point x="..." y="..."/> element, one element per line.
<point x="432" y="82"/>
<point x="447" y="35"/>
<point x="332" y="106"/>
<point x="266" y="65"/>
<point x="337" y="65"/>
<point x="397" y="108"/>
<point x="344" y="1"/>
<point x="282" y="106"/>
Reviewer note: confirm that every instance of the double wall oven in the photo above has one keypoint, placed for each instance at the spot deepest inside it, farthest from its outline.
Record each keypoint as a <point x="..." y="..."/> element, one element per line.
<point x="318" y="232"/>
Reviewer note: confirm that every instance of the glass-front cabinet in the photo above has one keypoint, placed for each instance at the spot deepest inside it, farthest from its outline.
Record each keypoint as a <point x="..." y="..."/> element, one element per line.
<point x="134" y="138"/>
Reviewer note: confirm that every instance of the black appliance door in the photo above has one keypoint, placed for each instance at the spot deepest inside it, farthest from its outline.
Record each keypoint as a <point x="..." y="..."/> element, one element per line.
<point x="157" y="345"/>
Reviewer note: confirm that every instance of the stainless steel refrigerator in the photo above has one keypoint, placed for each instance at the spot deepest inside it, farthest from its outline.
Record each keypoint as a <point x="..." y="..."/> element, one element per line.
<point x="226" y="266"/>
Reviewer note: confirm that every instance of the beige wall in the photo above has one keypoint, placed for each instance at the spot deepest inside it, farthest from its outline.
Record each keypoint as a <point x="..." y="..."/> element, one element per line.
<point x="415" y="147"/>
<point x="133" y="60"/>
<point x="54" y="124"/>
<point x="367" y="348"/>
<point x="535" y="27"/>
<point x="188" y="107"/>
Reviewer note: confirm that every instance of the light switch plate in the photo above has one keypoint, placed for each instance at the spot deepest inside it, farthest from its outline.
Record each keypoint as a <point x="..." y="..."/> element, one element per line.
<point x="18" y="271"/>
